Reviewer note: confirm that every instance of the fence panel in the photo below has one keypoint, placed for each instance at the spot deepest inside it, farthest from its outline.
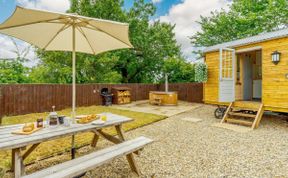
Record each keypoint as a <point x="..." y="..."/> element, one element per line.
<point x="19" y="99"/>
<point x="1" y="104"/>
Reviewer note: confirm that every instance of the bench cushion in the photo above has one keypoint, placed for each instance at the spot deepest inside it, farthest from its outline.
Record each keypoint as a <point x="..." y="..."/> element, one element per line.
<point x="85" y="163"/>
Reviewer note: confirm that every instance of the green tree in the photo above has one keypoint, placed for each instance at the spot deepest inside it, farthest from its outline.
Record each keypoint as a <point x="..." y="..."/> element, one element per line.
<point x="13" y="71"/>
<point x="55" y="67"/>
<point x="178" y="70"/>
<point x="153" y="42"/>
<point x="245" y="18"/>
<point x="103" y="9"/>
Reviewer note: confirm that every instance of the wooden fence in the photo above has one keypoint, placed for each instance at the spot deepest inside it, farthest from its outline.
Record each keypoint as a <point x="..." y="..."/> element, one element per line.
<point x="32" y="98"/>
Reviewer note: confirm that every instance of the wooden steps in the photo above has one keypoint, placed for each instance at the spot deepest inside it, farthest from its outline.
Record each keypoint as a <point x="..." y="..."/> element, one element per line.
<point x="246" y="113"/>
<point x="252" y="105"/>
<point x="245" y="109"/>
<point x="242" y="114"/>
<point x="241" y="122"/>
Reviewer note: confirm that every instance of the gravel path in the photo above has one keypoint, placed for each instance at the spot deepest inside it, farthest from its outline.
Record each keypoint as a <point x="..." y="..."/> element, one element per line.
<point x="188" y="149"/>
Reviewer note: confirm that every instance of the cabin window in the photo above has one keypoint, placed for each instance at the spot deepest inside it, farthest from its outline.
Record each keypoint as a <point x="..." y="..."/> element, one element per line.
<point x="227" y="65"/>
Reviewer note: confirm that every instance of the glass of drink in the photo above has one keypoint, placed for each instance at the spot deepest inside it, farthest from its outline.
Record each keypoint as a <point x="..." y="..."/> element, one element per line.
<point x="67" y="121"/>
<point x="104" y="117"/>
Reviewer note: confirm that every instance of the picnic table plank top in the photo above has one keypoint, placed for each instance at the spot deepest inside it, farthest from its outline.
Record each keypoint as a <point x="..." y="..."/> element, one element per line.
<point x="11" y="141"/>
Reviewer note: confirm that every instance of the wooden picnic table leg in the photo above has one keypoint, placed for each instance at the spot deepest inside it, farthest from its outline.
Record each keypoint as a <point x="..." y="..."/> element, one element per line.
<point x="30" y="150"/>
<point x="107" y="136"/>
<point x="121" y="136"/>
<point x="25" y="155"/>
<point x="13" y="160"/>
<point x="111" y="138"/>
<point x="131" y="160"/>
<point x="73" y="149"/>
<point x="120" y="132"/>
<point x="130" y="157"/>
<point x="95" y="140"/>
<point x="19" y="168"/>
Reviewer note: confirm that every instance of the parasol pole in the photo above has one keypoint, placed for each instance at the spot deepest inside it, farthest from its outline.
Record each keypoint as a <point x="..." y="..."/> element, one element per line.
<point x="73" y="89"/>
<point x="73" y="75"/>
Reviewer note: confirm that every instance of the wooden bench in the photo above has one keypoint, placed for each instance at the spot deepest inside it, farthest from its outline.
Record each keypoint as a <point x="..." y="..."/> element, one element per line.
<point x="85" y="163"/>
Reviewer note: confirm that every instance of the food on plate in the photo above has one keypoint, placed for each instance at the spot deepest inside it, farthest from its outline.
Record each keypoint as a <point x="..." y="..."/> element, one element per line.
<point x="88" y="119"/>
<point x="28" y="127"/>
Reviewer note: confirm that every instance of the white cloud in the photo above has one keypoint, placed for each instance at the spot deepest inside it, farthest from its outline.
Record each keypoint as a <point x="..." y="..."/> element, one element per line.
<point x="7" y="47"/>
<point x="156" y="1"/>
<point x="51" y="5"/>
<point x="185" y="15"/>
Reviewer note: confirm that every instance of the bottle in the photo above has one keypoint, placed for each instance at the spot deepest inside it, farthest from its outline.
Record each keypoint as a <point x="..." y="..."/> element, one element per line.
<point x="53" y="117"/>
<point x="40" y="123"/>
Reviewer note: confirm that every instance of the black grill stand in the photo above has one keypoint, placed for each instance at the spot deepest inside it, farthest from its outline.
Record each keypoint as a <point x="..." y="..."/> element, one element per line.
<point x="106" y="97"/>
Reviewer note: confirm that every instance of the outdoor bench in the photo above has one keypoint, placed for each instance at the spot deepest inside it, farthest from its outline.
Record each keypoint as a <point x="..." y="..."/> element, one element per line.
<point x="88" y="162"/>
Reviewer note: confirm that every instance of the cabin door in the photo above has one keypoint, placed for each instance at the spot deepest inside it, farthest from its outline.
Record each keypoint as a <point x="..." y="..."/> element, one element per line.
<point x="247" y="78"/>
<point x="227" y="75"/>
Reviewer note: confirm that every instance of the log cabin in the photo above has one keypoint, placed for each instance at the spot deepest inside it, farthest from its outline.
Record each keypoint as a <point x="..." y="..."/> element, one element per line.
<point x="249" y="74"/>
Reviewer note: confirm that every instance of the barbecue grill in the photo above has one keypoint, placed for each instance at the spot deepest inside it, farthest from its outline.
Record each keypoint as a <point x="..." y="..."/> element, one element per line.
<point x="106" y="97"/>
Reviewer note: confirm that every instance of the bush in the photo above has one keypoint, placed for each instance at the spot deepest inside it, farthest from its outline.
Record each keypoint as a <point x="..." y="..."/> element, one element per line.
<point x="201" y="73"/>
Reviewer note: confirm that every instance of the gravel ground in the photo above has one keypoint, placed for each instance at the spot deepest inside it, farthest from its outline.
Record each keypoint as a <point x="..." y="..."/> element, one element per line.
<point x="187" y="149"/>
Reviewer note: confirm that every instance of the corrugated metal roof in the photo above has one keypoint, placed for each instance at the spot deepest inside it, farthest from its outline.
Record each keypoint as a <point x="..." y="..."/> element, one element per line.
<point x="249" y="40"/>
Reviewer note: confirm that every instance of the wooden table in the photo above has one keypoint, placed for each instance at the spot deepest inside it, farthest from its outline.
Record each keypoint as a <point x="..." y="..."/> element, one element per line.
<point x="18" y="143"/>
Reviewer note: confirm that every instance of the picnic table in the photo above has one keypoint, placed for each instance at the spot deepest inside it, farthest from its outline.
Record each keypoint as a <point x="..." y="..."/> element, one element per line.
<point x="19" y="143"/>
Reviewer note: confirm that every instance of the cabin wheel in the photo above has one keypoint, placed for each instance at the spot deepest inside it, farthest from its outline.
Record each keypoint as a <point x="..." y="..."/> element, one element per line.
<point x="219" y="112"/>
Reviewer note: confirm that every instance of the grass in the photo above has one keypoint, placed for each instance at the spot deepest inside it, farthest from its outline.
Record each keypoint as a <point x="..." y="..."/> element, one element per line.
<point x="63" y="144"/>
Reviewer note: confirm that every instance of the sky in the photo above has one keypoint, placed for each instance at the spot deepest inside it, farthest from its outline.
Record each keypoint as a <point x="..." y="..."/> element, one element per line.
<point x="183" y="13"/>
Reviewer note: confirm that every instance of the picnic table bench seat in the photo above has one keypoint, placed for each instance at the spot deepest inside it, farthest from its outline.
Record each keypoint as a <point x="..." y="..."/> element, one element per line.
<point x="85" y="163"/>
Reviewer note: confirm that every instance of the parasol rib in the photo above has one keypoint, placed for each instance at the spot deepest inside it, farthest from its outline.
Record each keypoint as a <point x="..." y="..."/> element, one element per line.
<point x="31" y="23"/>
<point x="82" y="32"/>
<point x="96" y="28"/>
<point x="65" y="26"/>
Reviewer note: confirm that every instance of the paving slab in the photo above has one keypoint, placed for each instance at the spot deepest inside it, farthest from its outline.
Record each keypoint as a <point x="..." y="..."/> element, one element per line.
<point x="144" y="106"/>
<point x="191" y="119"/>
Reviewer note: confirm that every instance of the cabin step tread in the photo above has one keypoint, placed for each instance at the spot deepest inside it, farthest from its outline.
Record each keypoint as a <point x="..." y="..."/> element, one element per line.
<point x="247" y="104"/>
<point x="242" y="114"/>
<point x="235" y="108"/>
<point x="238" y="121"/>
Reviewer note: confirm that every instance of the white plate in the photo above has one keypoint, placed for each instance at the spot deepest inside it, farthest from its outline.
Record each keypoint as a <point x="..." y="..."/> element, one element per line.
<point x="98" y="122"/>
<point x="81" y="116"/>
